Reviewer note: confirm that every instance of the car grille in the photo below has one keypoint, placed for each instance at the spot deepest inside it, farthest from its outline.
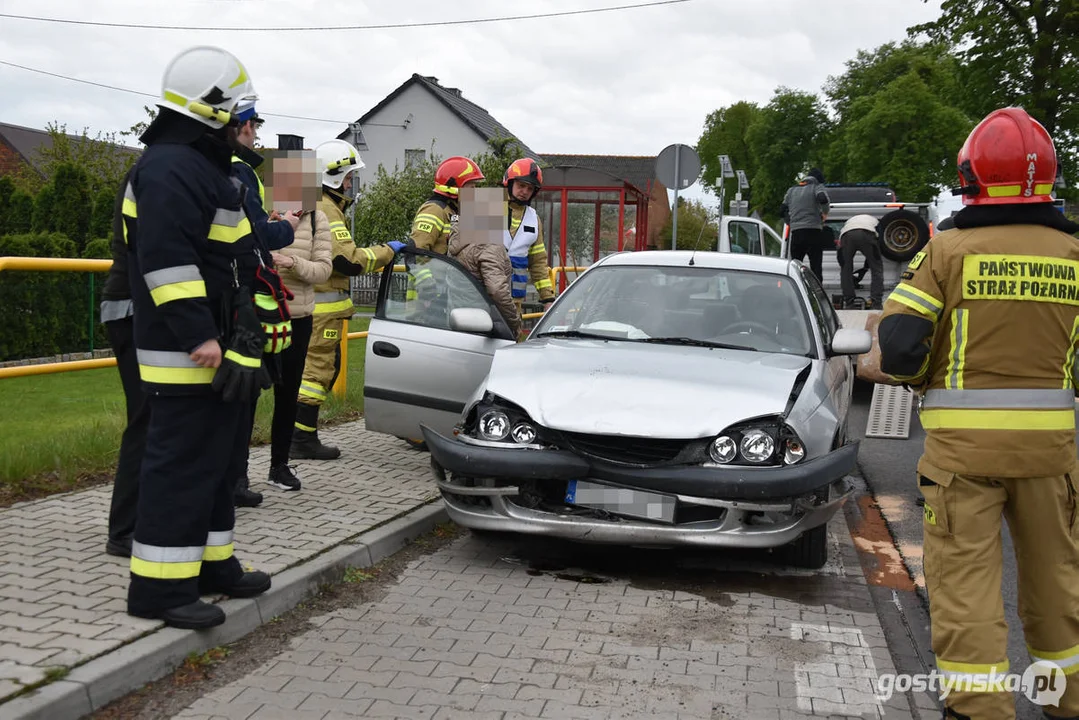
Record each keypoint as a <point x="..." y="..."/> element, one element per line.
<point x="623" y="449"/>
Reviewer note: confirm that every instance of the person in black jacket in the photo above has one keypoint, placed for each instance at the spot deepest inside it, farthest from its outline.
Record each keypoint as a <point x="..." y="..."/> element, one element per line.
<point x="199" y="343"/>
<point x="117" y="313"/>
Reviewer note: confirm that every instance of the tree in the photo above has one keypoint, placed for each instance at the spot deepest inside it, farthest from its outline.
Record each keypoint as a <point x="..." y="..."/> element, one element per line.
<point x="785" y="140"/>
<point x="65" y="205"/>
<point x="1018" y="52"/>
<point x="897" y="120"/>
<point x="103" y="159"/>
<point x="386" y="206"/>
<point x="697" y="228"/>
<point x="725" y="133"/>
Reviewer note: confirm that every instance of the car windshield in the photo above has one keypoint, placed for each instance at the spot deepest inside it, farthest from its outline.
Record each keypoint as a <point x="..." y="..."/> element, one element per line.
<point x="691" y="306"/>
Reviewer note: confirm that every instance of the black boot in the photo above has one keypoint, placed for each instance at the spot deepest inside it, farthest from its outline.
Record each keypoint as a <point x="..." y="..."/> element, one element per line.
<point x="248" y="585"/>
<point x="307" y="446"/>
<point x="282" y="476"/>
<point x="198" y="615"/>
<point x="305" y="442"/>
<point x="244" y="496"/>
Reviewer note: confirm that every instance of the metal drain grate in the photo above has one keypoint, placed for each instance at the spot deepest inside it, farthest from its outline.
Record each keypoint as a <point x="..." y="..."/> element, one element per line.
<point x="889" y="412"/>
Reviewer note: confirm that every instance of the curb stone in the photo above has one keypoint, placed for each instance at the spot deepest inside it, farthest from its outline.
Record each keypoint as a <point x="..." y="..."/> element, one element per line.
<point x="94" y="685"/>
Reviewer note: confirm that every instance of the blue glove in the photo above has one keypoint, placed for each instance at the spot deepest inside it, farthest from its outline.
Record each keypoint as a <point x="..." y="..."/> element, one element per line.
<point x="397" y="245"/>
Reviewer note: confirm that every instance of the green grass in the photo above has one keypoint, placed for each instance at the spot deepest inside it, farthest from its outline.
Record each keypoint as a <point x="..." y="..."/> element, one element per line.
<point x="69" y="424"/>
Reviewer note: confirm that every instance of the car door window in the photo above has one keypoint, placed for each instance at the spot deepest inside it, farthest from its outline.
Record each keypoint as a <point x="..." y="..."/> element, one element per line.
<point x="424" y="290"/>
<point x="822" y="308"/>
<point x="744" y="237"/>
<point x="773" y="245"/>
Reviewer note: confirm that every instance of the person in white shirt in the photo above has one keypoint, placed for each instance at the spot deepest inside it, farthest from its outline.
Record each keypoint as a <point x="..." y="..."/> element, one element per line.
<point x="859" y="234"/>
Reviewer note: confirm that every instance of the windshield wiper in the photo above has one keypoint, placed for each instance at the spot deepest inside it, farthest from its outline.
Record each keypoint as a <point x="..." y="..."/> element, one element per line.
<point x="695" y="342"/>
<point x="579" y="334"/>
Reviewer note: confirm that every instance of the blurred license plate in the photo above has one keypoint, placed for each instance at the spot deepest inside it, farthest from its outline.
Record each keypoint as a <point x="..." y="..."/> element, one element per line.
<point x="621" y="501"/>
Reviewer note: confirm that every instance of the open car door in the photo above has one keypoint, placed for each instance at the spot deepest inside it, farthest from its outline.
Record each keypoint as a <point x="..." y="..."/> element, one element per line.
<point x="429" y="346"/>
<point x="749" y="235"/>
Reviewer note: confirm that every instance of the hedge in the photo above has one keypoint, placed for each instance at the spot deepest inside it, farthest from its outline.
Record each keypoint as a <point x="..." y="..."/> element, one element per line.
<point x="49" y="313"/>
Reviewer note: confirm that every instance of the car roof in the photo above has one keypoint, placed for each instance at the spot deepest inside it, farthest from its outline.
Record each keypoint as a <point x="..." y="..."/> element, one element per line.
<point x="707" y="259"/>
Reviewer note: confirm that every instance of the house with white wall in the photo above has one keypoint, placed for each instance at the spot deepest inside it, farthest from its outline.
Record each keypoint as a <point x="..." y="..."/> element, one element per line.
<point x="419" y="117"/>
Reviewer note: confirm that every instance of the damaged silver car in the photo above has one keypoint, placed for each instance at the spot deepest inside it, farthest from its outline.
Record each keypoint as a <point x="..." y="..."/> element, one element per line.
<point x="666" y="398"/>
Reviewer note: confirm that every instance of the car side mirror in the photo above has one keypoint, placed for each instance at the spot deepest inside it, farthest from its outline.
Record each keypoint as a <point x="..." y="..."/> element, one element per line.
<point x="851" y="341"/>
<point x="471" y="320"/>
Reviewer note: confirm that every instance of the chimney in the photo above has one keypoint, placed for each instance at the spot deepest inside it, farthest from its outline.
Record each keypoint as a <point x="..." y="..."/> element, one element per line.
<point x="289" y="142"/>
<point x="456" y="92"/>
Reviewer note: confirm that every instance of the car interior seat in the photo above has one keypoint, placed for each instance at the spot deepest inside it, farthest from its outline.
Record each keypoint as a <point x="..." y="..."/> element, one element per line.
<point x="718" y="317"/>
<point x="765" y="305"/>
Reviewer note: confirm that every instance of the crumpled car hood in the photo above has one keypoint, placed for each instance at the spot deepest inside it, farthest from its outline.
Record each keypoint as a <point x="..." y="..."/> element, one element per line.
<point x="626" y="388"/>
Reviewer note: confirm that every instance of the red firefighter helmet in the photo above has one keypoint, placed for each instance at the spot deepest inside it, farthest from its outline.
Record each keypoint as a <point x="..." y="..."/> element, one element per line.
<point x="453" y="173"/>
<point x="525" y="170"/>
<point x="1008" y="158"/>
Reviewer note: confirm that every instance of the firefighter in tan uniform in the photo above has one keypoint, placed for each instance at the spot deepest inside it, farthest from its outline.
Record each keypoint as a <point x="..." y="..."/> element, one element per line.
<point x="333" y="303"/>
<point x="524" y="235"/>
<point x="984" y="326"/>
<point x="434" y="220"/>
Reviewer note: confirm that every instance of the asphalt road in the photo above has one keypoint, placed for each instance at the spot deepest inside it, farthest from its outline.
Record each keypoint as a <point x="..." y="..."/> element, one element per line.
<point x="888" y="468"/>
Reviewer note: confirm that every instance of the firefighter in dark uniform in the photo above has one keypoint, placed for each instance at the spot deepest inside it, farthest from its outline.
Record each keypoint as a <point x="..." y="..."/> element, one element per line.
<point x="199" y="344"/>
<point x="117" y="314"/>
<point x="985" y="326"/>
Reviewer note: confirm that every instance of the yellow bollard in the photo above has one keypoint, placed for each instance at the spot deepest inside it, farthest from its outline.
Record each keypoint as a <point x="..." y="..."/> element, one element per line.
<point x="340" y="386"/>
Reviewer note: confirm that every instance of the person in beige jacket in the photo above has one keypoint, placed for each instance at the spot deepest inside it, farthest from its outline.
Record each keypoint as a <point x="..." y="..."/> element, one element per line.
<point x="302" y="265"/>
<point x="490" y="264"/>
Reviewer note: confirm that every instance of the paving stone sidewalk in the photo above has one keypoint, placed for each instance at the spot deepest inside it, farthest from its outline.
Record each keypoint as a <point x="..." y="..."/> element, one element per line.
<point x="62" y="599"/>
<point x="474" y="632"/>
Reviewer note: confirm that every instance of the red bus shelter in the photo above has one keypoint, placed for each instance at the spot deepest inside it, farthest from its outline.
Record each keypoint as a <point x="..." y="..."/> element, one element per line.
<point x="587" y="213"/>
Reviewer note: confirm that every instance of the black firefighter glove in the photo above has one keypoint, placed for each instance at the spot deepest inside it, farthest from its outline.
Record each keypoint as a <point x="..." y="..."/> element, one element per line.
<point x="242" y="376"/>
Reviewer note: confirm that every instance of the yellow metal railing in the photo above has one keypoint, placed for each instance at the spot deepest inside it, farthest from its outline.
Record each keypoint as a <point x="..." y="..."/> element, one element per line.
<point x="33" y="264"/>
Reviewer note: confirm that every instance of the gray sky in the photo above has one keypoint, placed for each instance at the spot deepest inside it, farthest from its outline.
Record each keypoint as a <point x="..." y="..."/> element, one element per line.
<point x="626" y="82"/>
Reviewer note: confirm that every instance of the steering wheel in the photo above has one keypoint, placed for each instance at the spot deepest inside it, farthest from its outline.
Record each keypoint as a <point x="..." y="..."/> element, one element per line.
<point x="750" y="325"/>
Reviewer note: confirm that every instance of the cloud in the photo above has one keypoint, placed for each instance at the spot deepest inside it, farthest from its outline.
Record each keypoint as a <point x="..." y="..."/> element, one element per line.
<point x="627" y="82"/>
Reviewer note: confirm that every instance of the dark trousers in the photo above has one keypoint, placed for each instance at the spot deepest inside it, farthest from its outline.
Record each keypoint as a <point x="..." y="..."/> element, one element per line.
<point x="809" y="241"/>
<point x="195" y="446"/>
<point x="284" y="394"/>
<point x="125" y="486"/>
<point x="865" y="242"/>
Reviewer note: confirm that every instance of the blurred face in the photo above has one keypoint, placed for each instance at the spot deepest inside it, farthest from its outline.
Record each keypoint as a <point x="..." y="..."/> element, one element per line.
<point x="294" y="181"/>
<point x="482" y="216"/>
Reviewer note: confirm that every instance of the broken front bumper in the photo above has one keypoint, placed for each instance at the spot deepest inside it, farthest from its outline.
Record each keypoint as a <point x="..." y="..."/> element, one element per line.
<point x="731" y="506"/>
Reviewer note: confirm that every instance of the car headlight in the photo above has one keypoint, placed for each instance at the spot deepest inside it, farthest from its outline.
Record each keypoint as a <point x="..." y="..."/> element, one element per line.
<point x="757" y="446"/>
<point x="523" y="433"/>
<point x="494" y="425"/>
<point x="760" y="442"/>
<point x="497" y="420"/>
<point x="723" y="449"/>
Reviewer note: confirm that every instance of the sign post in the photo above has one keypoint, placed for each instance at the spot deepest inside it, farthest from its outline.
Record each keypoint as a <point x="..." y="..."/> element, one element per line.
<point x="677" y="166"/>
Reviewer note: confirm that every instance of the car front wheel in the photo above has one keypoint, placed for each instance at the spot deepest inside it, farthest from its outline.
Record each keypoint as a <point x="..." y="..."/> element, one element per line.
<point x="810" y="550"/>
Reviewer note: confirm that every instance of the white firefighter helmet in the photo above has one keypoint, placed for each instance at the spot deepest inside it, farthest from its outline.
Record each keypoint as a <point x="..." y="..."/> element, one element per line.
<point x="336" y="159"/>
<point x="206" y="83"/>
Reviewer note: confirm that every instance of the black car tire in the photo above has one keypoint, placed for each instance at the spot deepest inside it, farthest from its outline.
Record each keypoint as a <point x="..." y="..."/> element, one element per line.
<point x="809" y="551"/>
<point x="902" y="233"/>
